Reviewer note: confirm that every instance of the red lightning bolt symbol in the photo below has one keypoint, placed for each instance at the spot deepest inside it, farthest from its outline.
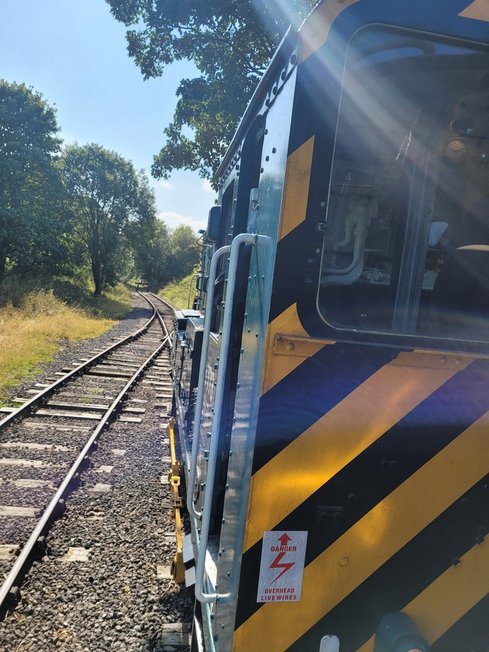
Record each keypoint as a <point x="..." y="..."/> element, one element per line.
<point x="276" y="564"/>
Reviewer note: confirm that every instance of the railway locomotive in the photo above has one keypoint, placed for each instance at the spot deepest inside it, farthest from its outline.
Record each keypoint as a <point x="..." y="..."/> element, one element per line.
<point x="331" y="385"/>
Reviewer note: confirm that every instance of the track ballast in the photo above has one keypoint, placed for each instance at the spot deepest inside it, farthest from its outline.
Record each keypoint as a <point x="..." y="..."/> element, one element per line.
<point x="102" y="580"/>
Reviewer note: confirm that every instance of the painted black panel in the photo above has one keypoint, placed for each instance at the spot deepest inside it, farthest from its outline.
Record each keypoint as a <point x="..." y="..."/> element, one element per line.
<point x="470" y="633"/>
<point x="406" y="575"/>
<point x="309" y="391"/>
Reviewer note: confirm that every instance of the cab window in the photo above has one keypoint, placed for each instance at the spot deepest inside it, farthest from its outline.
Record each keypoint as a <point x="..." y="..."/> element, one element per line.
<point x="406" y="240"/>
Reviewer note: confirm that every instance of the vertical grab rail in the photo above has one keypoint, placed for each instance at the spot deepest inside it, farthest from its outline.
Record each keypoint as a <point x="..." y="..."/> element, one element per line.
<point x="200" y="385"/>
<point x="242" y="238"/>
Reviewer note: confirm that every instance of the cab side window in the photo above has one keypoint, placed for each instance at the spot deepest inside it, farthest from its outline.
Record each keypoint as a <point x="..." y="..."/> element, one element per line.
<point x="406" y="241"/>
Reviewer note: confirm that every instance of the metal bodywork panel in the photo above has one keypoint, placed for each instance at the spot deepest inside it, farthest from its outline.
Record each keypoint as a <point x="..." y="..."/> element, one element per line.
<point x="252" y="359"/>
<point x="186" y="357"/>
<point x="212" y="364"/>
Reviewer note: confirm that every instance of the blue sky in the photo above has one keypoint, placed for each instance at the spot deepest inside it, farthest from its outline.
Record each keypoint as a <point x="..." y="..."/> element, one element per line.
<point x="74" y="53"/>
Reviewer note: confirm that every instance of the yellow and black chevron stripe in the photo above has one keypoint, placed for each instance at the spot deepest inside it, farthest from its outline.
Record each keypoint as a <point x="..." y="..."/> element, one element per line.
<point x="382" y="456"/>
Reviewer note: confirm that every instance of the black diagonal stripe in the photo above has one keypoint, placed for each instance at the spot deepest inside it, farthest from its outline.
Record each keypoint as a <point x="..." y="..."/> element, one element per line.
<point x="291" y="269"/>
<point x="470" y="633"/>
<point x="369" y="478"/>
<point x="406" y="575"/>
<point x="311" y="390"/>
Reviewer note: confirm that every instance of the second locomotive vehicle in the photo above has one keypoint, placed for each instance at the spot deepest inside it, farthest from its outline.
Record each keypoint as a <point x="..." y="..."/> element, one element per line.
<point x="332" y="386"/>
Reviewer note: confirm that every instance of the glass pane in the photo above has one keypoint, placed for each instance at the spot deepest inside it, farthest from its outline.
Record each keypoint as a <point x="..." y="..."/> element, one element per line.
<point x="409" y="190"/>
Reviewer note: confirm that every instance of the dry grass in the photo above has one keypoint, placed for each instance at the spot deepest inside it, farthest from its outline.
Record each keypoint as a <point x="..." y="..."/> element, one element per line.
<point x="30" y="334"/>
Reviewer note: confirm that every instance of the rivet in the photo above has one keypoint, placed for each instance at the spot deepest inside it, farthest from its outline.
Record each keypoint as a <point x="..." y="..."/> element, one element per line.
<point x="344" y="561"/>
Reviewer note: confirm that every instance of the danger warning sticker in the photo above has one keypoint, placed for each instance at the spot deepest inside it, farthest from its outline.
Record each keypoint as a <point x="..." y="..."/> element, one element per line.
<point x="282" y="566"/>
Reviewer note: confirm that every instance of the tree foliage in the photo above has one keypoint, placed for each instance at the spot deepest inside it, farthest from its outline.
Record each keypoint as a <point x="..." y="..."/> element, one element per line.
<point x="230" y="41"/>
<point x="151" y="245"/>
<point x="161" y="255"/>
<point x="85" y="208"/>
<point x="107" y="197"/>
<point x="184" y="252"/>
<point x="32" y="218"/>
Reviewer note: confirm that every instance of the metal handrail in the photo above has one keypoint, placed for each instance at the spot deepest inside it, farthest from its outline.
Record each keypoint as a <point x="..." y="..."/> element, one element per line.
<point x="242" y="238"/>
<point x="200" y="384"/>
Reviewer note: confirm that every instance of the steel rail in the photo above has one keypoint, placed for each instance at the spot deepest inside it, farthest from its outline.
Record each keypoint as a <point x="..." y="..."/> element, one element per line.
<point x="38" y="399"/>
<point x="168" y="305"/>
<point x="19" y="568"/>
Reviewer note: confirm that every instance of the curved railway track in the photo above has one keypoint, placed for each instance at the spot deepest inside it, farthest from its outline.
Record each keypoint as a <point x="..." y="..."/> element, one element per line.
<point x="52" y="435"/>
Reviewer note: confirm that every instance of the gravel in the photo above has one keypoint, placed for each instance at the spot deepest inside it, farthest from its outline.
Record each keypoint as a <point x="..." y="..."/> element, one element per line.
<point x="113" y="600"/>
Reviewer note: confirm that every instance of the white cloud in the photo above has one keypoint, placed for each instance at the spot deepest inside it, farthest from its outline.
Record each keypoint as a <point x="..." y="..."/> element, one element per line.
<point x="206" y="186"/>
<point x="165" y="184"/>
<point x="174" y="219"/>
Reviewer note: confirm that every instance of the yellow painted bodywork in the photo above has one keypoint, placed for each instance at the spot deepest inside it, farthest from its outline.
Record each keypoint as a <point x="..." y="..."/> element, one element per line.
<point x="278" y="366"/>
<point x="373" y="540"/>
<point x="450" y="596"/>
<point x="296" y="190"/>
<point x="479" y="10"/>
<point x="341" y="434"/>
<point x="315" y="30"/>
<point x="178" y="567"/>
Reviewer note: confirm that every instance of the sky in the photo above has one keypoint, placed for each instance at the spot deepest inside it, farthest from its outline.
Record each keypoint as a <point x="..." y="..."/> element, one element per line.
<point x="74" y="53"/>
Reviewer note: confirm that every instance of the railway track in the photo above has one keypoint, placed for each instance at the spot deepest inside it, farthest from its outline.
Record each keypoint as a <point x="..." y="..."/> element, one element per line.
<point x="51" y="445"/>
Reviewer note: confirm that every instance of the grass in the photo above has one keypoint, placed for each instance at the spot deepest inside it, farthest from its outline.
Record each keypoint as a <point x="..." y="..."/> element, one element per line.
<point x="34" y="325"/>
<point x="178" y="293"/>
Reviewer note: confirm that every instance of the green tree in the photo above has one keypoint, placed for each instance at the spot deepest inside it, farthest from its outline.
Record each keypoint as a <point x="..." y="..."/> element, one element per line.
<point x="184" y="252"/>
<point x="32" y="215"/>
<point x="151" y="246"/>
<point x="107" y="197"/>
<point x="230" y="41"/>
<point x="162" y="255"/>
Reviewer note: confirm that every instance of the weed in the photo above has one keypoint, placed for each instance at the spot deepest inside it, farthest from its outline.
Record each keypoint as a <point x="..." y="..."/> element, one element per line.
<point x="34" y="323"/>
<point x="180" y="294"/>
